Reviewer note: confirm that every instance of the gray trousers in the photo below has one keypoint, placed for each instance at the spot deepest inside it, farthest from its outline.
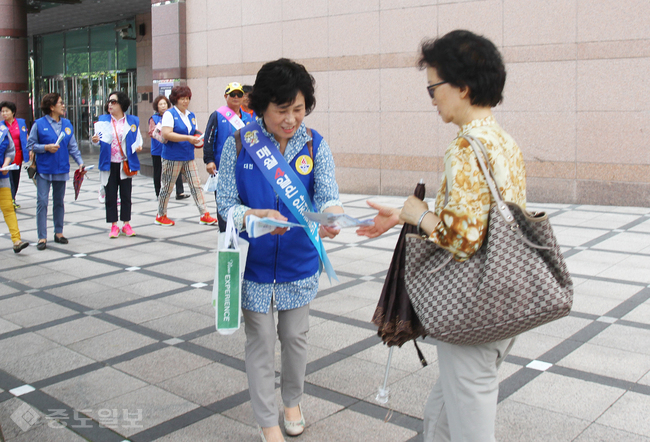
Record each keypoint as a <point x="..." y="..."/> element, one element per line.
<point x="462" y="406"/>
<point x="292" y="329"/>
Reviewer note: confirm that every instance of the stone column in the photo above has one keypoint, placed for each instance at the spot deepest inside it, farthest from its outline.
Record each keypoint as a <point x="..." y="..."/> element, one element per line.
<point x="14" y="76"/>
<point x="168" y="50"/>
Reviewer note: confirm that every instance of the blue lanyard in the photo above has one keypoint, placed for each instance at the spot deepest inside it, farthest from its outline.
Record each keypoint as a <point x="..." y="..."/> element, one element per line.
<point x="285" y="183"/>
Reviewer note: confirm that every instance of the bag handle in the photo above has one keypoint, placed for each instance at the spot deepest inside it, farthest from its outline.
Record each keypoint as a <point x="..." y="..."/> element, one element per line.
<point x="481" y="155"/>
<point x="232" y="238"/>
<point x="502" y="207"/>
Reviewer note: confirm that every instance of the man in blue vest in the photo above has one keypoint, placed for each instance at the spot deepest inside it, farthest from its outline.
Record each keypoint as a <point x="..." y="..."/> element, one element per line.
<point x="222" y="123"/>
<point x="52" y="140"/>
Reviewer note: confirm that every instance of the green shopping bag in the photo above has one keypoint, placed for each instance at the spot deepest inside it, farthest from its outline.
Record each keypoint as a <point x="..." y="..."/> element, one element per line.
<point x="228" y="278"/>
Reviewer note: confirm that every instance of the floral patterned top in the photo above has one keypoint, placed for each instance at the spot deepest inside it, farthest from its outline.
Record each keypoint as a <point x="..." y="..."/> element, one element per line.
<point x="287" y="295"/>
<point x="463" y="221"/>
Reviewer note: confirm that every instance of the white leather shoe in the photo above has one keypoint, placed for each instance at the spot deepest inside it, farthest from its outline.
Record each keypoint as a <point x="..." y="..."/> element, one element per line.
<point x="295" y="428"/>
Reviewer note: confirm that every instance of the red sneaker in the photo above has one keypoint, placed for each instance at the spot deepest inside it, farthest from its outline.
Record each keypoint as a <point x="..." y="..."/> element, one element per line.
<point x="207" y="219"/>
<point x="164" y="221"/>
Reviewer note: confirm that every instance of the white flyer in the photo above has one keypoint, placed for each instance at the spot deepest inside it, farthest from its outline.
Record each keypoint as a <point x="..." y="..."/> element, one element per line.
<point x="104" y="130"/>
<point x="337" y="219"/>
<point x="256" y="226"/>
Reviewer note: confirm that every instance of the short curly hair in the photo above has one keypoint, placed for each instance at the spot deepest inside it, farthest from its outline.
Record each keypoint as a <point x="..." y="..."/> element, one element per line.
<point x="180" y="92"/>
<point x="279" y="82"/>
<point x="48" y="101"/>
<point x="122" y="99"/>
<point x="464" y="59"/>
<point x="158" y="99"/>
<point x="9" y="105"/>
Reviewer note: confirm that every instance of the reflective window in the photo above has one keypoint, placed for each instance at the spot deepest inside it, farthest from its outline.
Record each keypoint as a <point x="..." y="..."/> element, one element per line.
<point x="76" y="52"/>
<point x="102" y="48"/>
<point x="52" y="45"/>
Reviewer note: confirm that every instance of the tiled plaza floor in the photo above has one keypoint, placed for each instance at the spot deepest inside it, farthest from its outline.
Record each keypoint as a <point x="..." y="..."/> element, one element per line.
<point x="120" y="332"/>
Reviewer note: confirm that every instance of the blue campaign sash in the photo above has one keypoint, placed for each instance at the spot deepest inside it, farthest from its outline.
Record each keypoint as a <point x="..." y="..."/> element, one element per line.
<point x="288" y="186"/>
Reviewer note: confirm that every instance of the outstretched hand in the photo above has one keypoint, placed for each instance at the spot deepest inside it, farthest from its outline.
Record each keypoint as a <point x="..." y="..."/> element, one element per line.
<point x="386" y="218"/>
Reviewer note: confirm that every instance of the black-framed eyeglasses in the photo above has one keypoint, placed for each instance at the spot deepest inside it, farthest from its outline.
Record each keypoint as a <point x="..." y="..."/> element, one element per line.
<point x="112" y="101"/>
<point x="432" y="88"/>
<point x="237" y="94"/>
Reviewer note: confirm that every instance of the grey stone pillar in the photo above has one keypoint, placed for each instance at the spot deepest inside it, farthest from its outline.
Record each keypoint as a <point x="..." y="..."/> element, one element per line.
<point x="14" y="76"/>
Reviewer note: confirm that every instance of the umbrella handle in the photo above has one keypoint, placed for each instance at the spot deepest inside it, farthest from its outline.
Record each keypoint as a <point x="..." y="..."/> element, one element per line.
<point x="382" y="393"/>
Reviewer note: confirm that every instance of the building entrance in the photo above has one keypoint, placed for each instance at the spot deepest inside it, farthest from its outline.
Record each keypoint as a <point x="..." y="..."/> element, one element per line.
<point x="85" y="96"/>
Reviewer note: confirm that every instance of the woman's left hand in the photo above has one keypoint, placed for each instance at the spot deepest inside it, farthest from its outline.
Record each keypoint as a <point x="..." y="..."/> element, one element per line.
<point x="328" y="232"/>
<point x="138" y="149"/>
<point x="413" y="210"/>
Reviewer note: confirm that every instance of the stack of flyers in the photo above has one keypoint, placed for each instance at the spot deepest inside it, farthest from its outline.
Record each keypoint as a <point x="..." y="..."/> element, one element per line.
<point x="337" y="220"/>
<point x="256" y="226"/>
<point x="61" y="137"/>
<point x="10" y="167"/>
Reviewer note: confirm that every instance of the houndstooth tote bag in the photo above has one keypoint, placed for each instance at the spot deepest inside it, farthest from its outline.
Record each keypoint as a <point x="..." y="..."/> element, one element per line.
<point x="516" y="281"/>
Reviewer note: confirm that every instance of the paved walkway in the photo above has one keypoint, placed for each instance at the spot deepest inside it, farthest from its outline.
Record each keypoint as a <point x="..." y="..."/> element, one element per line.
<point x="120" y="332"/>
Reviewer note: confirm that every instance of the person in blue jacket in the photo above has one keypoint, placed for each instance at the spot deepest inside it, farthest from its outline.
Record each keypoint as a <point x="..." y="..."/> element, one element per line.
<point x="281" y="268"/>
<point x="18" y="130"/>
<point x="119" y="141"/>
<point x="179" y="129"/>
<point x="223" y="123"/>
<point x="52" y="164"/>
<point x="160" y="105"/>
<point x="7" y="157"/>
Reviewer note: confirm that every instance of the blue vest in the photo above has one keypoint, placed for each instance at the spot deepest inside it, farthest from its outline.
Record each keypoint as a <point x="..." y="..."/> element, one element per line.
<point x="223" y="129"/>
<point x="279" y="258"/>
<point x="4" y="144"/>
<point x="58" y="162"/>
<point x="156" y="146"/>
<point x="131" y="136"/>
<point x="183" y="151"/>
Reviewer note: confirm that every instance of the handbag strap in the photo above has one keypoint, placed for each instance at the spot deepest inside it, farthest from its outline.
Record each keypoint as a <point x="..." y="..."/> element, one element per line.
<point x="482" y="156"/>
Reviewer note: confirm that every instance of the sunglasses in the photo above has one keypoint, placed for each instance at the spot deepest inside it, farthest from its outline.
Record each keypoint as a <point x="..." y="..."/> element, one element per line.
<point x="237" y="94"/>
<point x="112" y="101"/>
<point x="432" y="88"/>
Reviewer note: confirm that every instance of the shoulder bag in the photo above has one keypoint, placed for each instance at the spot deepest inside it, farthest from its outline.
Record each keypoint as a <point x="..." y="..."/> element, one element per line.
<point x="516" y="281"/>
<point x="125" y="162"/>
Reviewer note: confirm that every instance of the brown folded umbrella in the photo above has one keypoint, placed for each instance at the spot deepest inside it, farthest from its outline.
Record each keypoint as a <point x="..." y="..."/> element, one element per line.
<point x="395" y="318"/>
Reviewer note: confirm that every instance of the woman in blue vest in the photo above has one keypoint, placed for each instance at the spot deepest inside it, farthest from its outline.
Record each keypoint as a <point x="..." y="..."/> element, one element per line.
<point x="18" y="130"/>
<point x="281" y="268"/>
<point x="160" y="105"/>
<point x="179" y="129"/>
<point x="119" y="141"/>
<point x="52" y="164"/>
<point x="8" y="211"/>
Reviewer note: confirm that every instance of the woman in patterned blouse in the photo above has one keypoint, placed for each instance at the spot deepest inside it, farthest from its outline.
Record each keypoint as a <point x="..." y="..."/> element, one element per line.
<point x="281" y="268"/>
<point x="466" y="76"/>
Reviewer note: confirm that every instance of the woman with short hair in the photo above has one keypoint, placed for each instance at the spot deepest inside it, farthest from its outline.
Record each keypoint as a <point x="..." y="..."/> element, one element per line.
<point x="18" y="130"/>
<point x="160" y="105"/>
<point x="466" y="77"/>
<point x="281" y="270"/>
<point x="8" y="211"/>
<point x="119" y="142"/>
<point x="52" y="164"/>
<point x="179" y="129"/>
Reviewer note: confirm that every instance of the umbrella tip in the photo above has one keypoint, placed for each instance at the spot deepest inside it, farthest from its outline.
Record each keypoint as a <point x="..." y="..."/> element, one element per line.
<point x="421" y="180"/>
